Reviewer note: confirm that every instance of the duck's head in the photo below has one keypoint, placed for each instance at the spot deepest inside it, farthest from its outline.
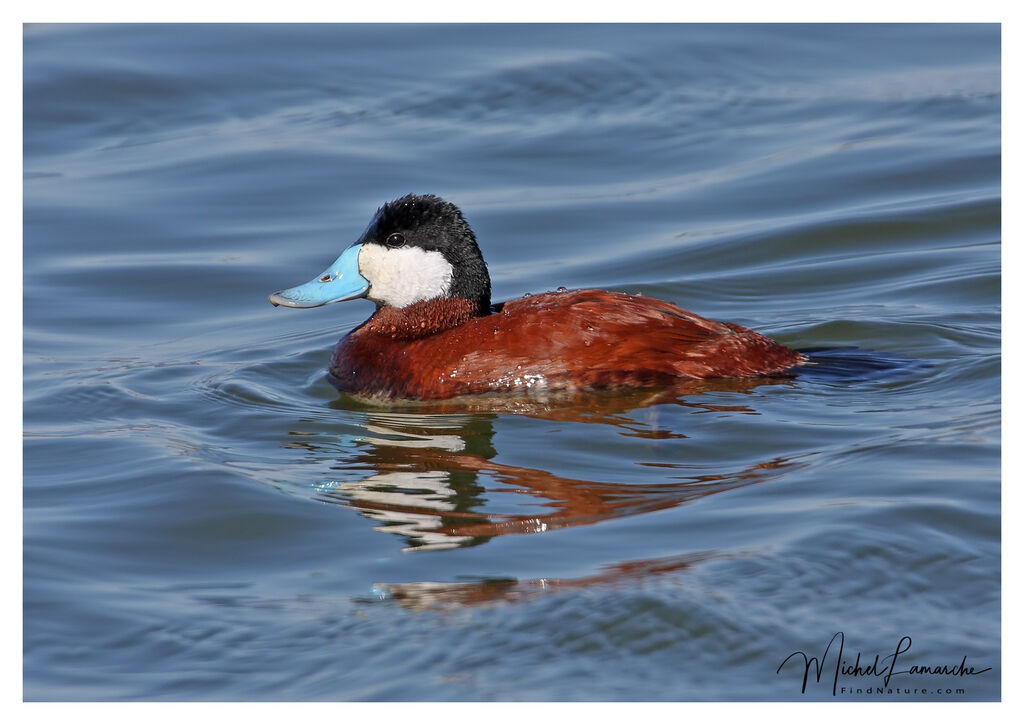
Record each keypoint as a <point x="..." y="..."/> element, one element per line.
<point x="416" y="248"/>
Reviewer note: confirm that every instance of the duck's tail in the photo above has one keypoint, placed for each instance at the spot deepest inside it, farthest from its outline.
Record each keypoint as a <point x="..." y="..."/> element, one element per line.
<point x="852" y="363"/>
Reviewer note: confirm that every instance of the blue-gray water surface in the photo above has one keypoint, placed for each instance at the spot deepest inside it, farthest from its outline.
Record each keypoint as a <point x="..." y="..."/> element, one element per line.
<point x="206" y="518"/>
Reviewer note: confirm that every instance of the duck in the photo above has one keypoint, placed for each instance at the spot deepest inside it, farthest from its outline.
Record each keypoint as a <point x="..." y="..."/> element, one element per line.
<point x="436" y="336"/>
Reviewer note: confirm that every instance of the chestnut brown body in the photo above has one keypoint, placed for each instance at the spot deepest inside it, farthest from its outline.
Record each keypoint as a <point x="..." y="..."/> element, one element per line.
<point x="578" y="340"/>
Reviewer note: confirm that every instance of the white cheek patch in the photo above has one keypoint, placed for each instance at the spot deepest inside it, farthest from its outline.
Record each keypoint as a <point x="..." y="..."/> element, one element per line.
<point x="399" y="277"/>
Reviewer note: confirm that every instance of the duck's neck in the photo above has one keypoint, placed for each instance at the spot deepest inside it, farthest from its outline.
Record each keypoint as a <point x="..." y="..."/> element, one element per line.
<point x="421" y="319"/>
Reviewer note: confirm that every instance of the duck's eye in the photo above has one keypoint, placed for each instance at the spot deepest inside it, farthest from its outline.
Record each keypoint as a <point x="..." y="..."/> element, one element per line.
<point x="396" y="240"/>
<point x="326" y="278"/>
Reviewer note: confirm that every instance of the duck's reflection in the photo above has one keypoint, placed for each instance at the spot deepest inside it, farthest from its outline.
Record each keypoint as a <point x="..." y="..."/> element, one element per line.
<point x="433" y="479"/>
<point x="444" y="595"/>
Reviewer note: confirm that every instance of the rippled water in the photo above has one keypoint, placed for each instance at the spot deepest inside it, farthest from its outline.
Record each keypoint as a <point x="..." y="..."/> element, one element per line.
<point x="206" y="518"/>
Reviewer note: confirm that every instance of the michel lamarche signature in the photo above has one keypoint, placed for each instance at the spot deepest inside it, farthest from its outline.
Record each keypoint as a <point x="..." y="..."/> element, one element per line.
<point x="884" y="667"/>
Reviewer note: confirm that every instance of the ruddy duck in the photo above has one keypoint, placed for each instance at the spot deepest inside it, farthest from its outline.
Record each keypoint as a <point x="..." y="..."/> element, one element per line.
<point x="435" y="334"/>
